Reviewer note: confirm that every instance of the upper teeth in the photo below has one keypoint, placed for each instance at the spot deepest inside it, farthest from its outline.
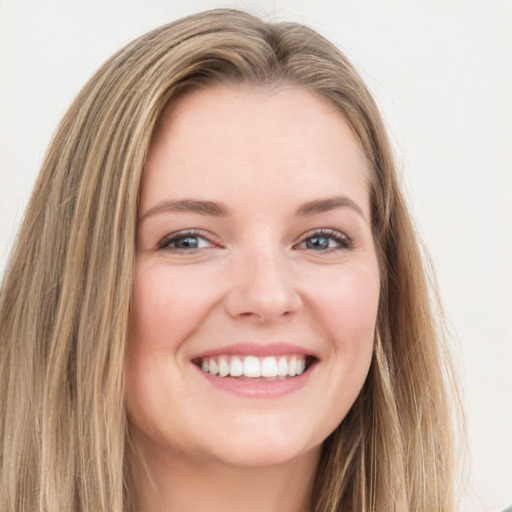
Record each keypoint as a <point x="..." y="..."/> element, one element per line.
<point x="252" y="366"/>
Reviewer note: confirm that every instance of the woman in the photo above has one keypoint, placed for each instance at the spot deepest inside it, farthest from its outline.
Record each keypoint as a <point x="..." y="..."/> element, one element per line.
<point x="217" y="300"/>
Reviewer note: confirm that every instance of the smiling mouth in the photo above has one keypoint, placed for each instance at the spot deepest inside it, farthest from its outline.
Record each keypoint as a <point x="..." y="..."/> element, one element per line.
<point x="253" y="368"/>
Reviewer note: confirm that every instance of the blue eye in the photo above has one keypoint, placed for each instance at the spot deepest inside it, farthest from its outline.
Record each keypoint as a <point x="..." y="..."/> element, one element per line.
<point x="184" y="241"/>
<point x="326" y="241"/>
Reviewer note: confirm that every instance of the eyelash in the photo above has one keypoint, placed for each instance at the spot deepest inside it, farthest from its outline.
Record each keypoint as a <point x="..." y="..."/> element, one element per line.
<point x="342" y="241"/>
<point x="164" y="245"/>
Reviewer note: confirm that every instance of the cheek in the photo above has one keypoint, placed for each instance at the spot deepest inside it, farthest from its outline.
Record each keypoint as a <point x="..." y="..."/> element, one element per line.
<point x="347" y="304"/>
<point x="157" y="323"/>
<point x="347" y="311"/>
<point x="165" y="308"/>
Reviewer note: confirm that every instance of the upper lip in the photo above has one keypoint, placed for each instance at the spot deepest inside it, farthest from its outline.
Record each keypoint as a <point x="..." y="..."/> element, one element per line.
<point x="255" y="349"/>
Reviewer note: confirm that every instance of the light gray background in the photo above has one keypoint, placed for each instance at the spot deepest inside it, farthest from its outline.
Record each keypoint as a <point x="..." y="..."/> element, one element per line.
<point x="441" y="73"/>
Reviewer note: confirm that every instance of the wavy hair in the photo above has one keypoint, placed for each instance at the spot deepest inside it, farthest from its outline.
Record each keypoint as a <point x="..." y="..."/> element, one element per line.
<point x="65" y="297"/>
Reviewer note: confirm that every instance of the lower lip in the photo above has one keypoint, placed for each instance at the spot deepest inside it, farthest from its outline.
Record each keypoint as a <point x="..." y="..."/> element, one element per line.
<point x="258" y="389"/>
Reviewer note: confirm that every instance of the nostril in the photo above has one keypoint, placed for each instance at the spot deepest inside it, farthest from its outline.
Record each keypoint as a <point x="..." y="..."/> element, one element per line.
<point x="248" y="314"/>
<point x="262" y="316"/>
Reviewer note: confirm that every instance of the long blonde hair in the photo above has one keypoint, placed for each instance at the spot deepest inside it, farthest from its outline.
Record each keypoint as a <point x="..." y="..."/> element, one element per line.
<point x="65" y="298"/>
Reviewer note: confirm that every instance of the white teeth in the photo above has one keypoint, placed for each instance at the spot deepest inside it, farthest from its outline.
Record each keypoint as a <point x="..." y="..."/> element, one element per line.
<point x="255" y="367"/>
<point x="223" y="367"/>
<point x="269" y="367"/>
<point x="252" y="367"/>
<point x="301" y="366"/>
<point x="214" y="368"/>
<point x="236" y="367"/>
<point x="292" y="367"/>
<point x="282" y="367"/>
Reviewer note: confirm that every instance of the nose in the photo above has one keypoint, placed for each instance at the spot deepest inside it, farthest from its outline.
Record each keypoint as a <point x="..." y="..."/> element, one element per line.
<point x="263" y="289"/>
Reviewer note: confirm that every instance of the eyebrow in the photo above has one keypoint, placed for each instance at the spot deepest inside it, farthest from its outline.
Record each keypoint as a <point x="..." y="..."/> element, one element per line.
<point x="211" y="208"/>
<point x="325" y="205"/>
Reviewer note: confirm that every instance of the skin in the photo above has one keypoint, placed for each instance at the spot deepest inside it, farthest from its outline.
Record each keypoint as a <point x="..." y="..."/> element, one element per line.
<point x="256" y="276"/>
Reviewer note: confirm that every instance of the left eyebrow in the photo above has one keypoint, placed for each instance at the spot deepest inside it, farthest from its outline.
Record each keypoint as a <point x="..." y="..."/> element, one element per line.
<point x="325" y="205"/>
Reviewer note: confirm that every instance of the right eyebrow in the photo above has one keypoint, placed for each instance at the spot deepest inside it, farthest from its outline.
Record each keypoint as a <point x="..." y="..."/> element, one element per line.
<point x="201" y="207"/>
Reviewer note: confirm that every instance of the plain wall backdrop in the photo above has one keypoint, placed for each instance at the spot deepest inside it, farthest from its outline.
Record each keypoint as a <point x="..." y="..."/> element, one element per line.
<point x="441" y="73"/>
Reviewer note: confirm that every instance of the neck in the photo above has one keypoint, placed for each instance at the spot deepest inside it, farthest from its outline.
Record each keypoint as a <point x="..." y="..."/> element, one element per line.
<point x="177" y="484"/>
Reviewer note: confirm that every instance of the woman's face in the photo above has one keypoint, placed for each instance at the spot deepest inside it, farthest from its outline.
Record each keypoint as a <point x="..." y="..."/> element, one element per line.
<point x="256" y="280"/>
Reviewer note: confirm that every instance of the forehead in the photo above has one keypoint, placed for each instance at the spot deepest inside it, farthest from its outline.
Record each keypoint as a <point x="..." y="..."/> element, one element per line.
<point x="228" y="139"/>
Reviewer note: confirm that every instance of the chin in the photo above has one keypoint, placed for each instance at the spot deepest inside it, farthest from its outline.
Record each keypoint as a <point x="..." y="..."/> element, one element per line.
<point x="263" y="445"/>
<point x="265" y="456"/>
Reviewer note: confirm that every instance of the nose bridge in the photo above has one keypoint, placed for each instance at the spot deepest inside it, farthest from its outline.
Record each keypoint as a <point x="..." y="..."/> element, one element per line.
<point x="266" y="270"/>
<point x="263" y="285"/>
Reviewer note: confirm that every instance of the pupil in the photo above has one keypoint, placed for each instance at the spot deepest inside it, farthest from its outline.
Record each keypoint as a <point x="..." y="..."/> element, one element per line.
<point x="318" y="242"/>
<point x="188" y="242"/>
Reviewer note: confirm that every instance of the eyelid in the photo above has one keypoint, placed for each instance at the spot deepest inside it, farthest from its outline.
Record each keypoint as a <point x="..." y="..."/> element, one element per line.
<point x="345" y="242"/>
<point x="178" y="235"/>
